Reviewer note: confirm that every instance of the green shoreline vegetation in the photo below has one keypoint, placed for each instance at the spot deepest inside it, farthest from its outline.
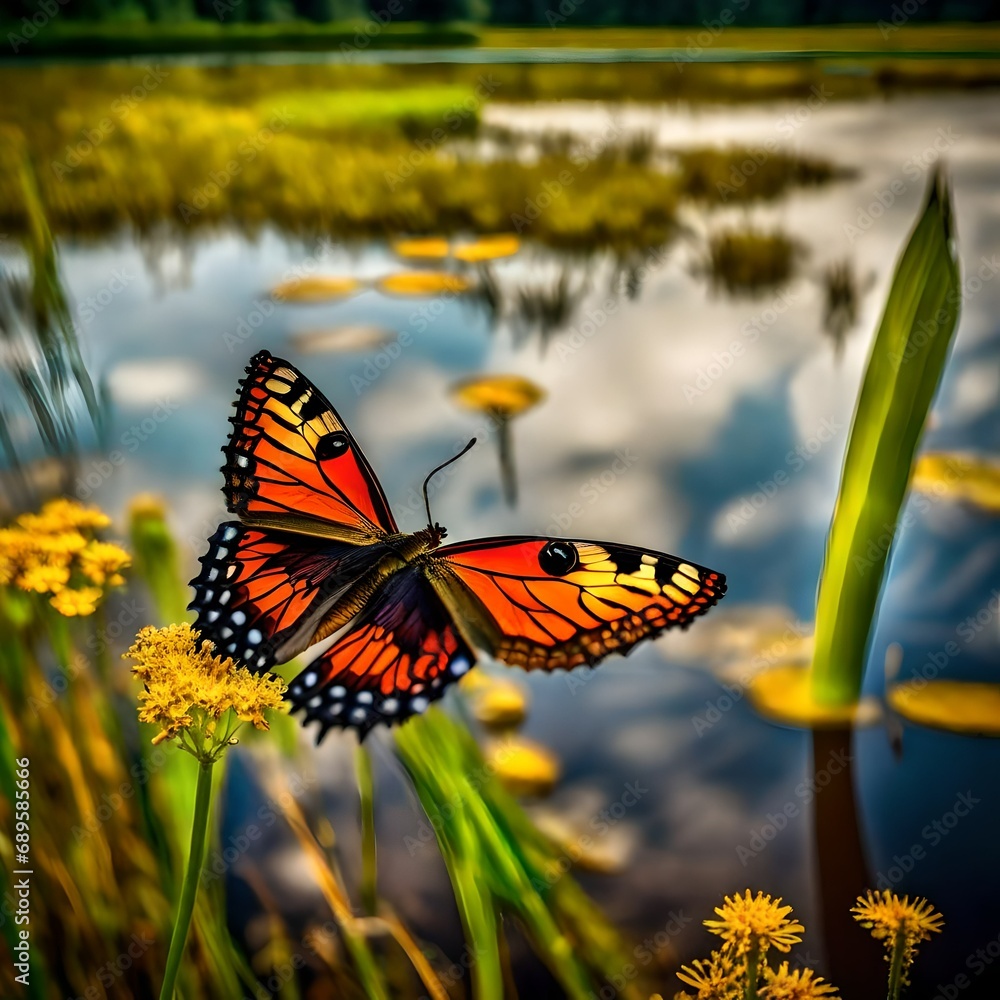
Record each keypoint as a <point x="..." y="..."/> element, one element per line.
<point x="373" y="151"/>
<point x="120" y="146"/>
<point x="39" y="34"/>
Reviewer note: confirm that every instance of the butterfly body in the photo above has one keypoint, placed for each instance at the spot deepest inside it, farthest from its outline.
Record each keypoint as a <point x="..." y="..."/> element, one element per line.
<point x="316" y="553"/>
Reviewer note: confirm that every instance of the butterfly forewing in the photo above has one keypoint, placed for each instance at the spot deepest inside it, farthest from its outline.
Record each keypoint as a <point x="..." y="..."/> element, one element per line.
<point x="543" y="603"/>
<point x="291" y="462"/>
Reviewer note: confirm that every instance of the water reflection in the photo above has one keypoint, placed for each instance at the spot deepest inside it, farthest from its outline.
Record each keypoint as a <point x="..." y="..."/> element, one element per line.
<point x="700" y="450"/>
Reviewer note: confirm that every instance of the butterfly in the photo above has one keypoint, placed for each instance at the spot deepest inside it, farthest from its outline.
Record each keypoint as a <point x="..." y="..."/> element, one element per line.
<point x="315" y="553"/>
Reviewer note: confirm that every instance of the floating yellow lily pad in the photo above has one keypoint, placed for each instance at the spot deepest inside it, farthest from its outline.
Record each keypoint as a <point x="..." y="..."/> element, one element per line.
<point x="316" y="288"/>
<point x="488" y="248"/>
<point x="500" y="704"/>
<point x="958" y="706"/>
<point x="524" y="767"/>
<point x="428" y="248"/>
<point x="424" y="283"/>
<point x="504" y="395"/>
<point x="784" y="694"/>
<point x="959" y="477"/>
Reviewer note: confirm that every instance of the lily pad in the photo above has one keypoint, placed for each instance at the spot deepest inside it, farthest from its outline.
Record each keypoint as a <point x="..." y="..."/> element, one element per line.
<point x="427" y="248"/>
<point x="488" y="248"/>
<point x="524" y="767"/>
<point x="784" y="694"/>
<point x="316" y="288"/>
<point x="959" y="477"/>
<point x="958" y="706"/>
<point x="424" y="283"/>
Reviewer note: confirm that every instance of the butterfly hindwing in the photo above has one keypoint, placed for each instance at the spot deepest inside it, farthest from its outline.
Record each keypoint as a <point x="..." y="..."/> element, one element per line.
<point x="261" y="594"/>
<point x="398" y="656"/>
<point x="542" y="603"/>
<point x="292" y="464"/>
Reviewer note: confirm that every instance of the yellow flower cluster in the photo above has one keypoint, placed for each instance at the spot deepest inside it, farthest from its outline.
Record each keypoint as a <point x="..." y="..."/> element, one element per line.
<point x="55" y="552"/>
<point x="802" y="984"/>
<point x="187" y="688"/>
<point x="746" y="923"/>
<point x="899" y="923"/>
<point x="715" y="979"/>
<point x="749" y="926"/>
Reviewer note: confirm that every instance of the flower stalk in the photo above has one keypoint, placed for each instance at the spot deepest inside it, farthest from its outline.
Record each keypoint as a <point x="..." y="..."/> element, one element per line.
<point x="192" y="877"/>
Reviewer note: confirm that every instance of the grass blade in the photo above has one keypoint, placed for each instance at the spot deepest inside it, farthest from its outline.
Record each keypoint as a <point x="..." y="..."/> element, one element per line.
<point x="904" y="369"/>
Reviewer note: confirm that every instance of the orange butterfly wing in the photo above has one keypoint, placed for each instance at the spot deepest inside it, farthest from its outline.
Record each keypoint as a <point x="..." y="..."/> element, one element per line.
<point x="261" y="594"/>
<point x="542" y="603"/>
<point x="397" y="657"/>
<point x="292" y="464"/>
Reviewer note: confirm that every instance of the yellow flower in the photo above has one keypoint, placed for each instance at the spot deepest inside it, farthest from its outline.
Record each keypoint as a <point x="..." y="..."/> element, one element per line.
<point x="187" y="689"/>
<point x="715" y="979"/>
<point x="80" y="602"/>
<point x="899" y="923"/>
<point x="44" y="578"/>
<point x="802" y="984"/>
<point x="747" y="923"/>
<point x="54" y="552"/>
<point x="62" y="515"/>
<point x="101" y="561"/>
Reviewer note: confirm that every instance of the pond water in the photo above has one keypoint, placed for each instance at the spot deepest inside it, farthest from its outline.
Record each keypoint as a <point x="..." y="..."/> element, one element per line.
<point x="677" y="419"/>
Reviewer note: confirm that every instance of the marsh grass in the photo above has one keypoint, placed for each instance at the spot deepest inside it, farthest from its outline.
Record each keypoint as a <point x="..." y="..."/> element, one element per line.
<point x="737" y="174"/>
<point x="750" y="262"/>
<point x="316" y="150"/>
<point x="112" y="814"/>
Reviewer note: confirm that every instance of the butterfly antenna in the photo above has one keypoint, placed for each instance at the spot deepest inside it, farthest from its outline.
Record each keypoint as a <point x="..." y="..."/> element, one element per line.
<point x="434" y="472"/>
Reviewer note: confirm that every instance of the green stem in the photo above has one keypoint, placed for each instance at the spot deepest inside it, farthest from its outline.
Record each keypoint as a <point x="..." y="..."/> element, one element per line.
<point x="369" y="869"/>
<point x="189" y="890"/>
<point x="896" y="966"/>
<point x="508" y="473"/>
<point x="753" y="965"/>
